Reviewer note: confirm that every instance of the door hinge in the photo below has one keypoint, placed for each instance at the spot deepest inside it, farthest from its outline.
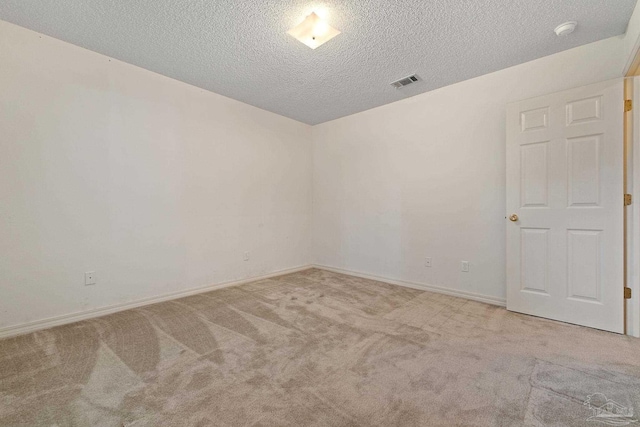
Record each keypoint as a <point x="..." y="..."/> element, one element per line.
<point x="627" y="293"/>
<point x="628" y="105"/>
<point x="628" y="199"/>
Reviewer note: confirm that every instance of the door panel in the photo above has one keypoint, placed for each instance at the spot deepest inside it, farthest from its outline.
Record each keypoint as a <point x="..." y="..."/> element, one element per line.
<point x="565" y="184"/>
<point x="534" y="243"/>
<point x="583" y="164"/>
<point x="534" y="192"/>
<point x="584" y="247"/>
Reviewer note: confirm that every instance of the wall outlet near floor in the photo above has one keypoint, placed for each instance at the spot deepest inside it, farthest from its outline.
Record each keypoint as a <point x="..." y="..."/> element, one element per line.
<point x="90" y="278"/>
<point x="427" y="262"/>
<point x="246" y="256"/>
<point x="465" y="266"/>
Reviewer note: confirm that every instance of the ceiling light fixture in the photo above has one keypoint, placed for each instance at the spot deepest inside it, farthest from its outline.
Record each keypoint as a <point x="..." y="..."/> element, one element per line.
<point x="566" y="28"/>
<point x="313" y="31"/>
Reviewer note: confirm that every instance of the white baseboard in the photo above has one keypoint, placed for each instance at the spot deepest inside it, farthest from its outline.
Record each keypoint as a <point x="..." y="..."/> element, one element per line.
<point x="37" y="325"/>
<point x="421" y="286"/>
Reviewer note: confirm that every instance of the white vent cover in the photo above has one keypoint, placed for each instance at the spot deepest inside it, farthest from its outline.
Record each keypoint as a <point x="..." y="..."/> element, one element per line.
<point x="405" y="81"/>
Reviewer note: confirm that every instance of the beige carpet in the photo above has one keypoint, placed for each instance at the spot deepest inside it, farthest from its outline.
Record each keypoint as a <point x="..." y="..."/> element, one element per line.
<point x="315" y="349"/>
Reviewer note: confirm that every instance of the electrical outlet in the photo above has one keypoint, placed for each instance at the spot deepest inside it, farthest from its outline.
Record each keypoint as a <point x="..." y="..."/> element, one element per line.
<point x="90" y="278"/>
<point x="427" y="262"/>
<point x="246" y="256"/>
<point x="465" y="266"/>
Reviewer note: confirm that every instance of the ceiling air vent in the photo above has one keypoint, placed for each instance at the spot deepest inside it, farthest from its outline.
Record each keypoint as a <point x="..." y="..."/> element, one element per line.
<point x="405" y="81"/>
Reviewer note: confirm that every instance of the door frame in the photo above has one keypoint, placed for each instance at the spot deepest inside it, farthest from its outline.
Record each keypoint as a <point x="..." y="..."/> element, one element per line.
<point x="632" y="186"/>
<point x="632" y="212"/>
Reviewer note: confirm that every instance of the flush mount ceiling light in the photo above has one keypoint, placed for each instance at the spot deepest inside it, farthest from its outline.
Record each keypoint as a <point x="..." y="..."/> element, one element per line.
<point x="566" y="28"/>
<point x="313" y="31"/>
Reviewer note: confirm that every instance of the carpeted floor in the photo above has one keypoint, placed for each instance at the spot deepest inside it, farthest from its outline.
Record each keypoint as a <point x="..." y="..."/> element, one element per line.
<point x="316" y="349"/>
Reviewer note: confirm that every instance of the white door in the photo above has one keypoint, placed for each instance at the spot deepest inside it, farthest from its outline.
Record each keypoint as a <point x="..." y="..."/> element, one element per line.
<point x="565" y="206"/>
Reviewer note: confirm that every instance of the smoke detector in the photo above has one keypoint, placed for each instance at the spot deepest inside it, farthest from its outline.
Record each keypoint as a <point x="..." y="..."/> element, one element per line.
<point x="405" y="81"/>
<point x="566" y="28"/>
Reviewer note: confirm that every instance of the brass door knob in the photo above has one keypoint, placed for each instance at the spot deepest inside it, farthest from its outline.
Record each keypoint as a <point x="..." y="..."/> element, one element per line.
<point x="513" y="217"/>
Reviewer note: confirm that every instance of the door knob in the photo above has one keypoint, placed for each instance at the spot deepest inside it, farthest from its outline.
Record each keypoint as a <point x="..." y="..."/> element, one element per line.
<point x="513" y="217"/>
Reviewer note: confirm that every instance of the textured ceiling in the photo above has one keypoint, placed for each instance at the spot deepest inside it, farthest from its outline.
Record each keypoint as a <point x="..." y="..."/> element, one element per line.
<point x="241" y="49"/>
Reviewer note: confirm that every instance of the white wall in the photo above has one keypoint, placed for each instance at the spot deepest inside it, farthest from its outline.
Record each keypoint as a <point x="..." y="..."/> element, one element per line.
<point x="161" y="187"/>
<point x="632" y="39"/>
<point x="156" y="185"/>
<point x="425" y="176"/>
